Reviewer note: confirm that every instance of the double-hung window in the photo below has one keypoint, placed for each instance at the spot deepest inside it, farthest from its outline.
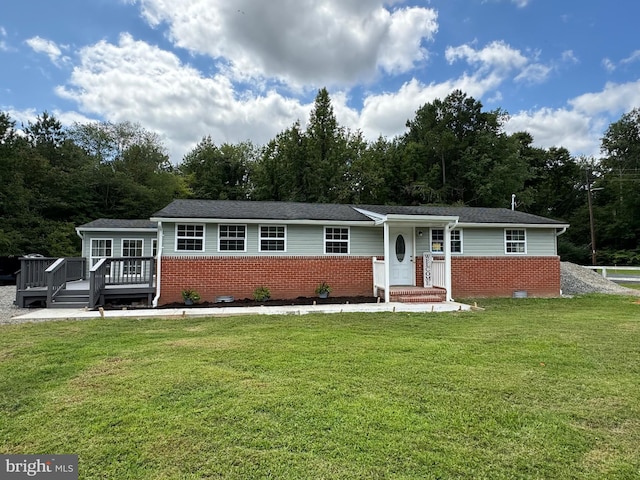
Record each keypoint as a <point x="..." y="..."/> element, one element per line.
<point x="438" y="243"/>
<point x="132" y="248"/>
<point x="273" y="238"/>
<point x="100" y="248"/>
<point x="437" y="240"/>
<point x="515" y="241"/>
<point x="232" y="238"/>
<point x="336" y="239"/>
<point x="456" y="241"/>
<point x="189" y="238"/>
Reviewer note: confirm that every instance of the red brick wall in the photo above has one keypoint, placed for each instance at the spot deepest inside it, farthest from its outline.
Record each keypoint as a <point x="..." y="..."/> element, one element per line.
<point x="501" y="276"/>
<point x="286" y="277"/>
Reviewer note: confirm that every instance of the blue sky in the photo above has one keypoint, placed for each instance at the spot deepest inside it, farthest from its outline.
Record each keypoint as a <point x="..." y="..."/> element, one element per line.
<point x="245" y="69"/>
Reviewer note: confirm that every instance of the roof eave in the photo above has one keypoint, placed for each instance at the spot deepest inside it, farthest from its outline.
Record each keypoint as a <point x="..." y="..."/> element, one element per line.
<point x="511" y="225"/>
<point x="261" y="221"/>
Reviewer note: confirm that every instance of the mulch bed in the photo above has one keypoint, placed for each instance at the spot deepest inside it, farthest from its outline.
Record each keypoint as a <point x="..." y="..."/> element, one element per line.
<point x="248" y="302"/>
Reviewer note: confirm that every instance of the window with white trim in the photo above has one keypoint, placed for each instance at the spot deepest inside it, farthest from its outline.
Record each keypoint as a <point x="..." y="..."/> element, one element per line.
<point x="273" y="238"/>
<point x="132" y="248"/>
<point x="232" y="238"/>
<point x="154" y="247"/>
<point x="189" y="237"/>
<point x="515" y="241"/>
<point x="456" y="241"/>
<point x="336" y="239"/>
<point x="100" y="248"/>
<point x="437" y="240"/>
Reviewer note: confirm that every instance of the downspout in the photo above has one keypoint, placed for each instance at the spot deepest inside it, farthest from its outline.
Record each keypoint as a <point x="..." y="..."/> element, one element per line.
<point x="158" y="265"/>
<point x="564" y="229"/>
<point x="387" y="258"/>
<point x="447" y="258"/>
<point x="87" y="263"/>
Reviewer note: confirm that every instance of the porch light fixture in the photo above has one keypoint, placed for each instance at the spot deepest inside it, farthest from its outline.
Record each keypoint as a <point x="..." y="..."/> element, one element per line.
<point x="419" y="233"/>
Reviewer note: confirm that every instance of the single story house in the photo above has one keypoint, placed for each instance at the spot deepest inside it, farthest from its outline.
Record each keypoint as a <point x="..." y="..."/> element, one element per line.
<point x="229" y="248"/>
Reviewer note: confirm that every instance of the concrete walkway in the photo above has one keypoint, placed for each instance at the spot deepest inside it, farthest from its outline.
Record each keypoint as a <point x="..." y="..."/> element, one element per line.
<point x="79" y="314"/>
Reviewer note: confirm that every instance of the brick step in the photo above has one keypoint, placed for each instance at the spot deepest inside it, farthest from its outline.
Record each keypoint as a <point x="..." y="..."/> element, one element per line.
<point x="417" y="291"/>
<point x="418" y="298"/>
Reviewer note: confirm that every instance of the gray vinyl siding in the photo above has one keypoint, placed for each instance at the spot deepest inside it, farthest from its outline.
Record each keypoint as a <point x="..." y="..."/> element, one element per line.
<point x="117" y="241"/>
<point x="489" y="242"/>
<point x="305" y="240"/>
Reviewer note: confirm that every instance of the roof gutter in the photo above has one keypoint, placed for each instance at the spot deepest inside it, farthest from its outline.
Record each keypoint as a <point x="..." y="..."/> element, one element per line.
<point x="558" y="233"/>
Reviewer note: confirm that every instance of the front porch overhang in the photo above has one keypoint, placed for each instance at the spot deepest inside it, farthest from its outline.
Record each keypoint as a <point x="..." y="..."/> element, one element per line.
<point x="447" y="223"/>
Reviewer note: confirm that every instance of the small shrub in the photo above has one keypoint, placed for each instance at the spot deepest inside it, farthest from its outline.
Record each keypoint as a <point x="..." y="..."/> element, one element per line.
<point x="261" y="294"/>
<point x="189" y="294"/>
<point x="323" y="288"/>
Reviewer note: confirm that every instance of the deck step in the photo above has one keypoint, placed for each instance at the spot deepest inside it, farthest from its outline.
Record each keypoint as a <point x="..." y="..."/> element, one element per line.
<point x="71" y="299"/>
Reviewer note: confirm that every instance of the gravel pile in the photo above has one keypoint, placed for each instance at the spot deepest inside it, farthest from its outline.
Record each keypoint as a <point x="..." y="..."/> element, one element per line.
<point x="576" y="280"/>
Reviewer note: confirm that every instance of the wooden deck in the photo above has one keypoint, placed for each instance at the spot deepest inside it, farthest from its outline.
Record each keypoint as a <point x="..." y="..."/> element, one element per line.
<point x="66" y="283"/>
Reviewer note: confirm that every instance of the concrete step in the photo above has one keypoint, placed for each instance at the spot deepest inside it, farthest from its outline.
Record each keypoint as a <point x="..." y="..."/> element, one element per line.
<point x="74" y="305"/>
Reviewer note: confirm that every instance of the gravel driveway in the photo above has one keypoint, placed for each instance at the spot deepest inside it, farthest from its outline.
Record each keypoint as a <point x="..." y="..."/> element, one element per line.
<point x="7" y="308"/>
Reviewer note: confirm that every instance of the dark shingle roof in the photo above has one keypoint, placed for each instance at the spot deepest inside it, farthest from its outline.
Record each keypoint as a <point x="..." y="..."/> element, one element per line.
<point x="248" y="210"/>
<point x="253" y="210"/>
<point x="111" y="223"/>
<point x="466" y="214"/>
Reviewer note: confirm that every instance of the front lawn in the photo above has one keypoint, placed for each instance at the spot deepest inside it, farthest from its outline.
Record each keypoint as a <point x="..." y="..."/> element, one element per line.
<point x="527" y="388"/>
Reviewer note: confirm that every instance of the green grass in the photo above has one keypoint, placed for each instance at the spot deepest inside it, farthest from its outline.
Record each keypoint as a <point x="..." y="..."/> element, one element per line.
<point x="527" y="388"/>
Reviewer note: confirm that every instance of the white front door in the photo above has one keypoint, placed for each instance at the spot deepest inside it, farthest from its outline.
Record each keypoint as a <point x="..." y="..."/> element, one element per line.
<point x="401" y="270"/>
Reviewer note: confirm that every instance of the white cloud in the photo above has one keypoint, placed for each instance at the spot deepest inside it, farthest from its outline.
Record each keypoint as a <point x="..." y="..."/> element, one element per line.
<point x="534" y="73"/>
<point x="138" y="82"/>
<point x="608" y="65"/>
<point x="49" y="48"/>
<point x="402" y="47"/>
<point x="634" y="57"/>
<point x="568" y="56"/>
<point x="613" y="99"/>
<point x="558" y="128"/>
<point x="497" y="56"/>
<point x="580" y="126"/>
<point x="306" y="42"/>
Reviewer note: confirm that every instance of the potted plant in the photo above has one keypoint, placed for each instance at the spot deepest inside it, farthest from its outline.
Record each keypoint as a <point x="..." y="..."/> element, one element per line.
<point x="190" y="296"/>
<point x="323" y="290"/>
<point x="261" y="294"/>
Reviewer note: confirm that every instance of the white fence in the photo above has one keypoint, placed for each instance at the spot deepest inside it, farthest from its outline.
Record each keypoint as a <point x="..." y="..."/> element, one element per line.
<point x="617" y="274"/>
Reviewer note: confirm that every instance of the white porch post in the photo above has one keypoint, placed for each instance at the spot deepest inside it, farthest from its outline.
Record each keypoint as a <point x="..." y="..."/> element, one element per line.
<point x="387" y="258"/>
<point x="447" y="261"/>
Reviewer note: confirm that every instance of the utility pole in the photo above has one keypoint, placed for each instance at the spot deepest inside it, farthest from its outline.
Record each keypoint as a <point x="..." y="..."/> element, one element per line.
<point x="593" y="233"/>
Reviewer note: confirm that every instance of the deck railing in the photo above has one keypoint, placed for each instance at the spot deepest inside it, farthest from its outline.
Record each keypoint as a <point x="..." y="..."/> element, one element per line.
<point x="56" y="279"/>
<point x="32" y="272"/>
<point x="119" y="271"/>
<point x="97" y="281"/>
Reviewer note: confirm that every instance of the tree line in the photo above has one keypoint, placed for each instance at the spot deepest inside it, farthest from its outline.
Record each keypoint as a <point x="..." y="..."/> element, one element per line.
<point x="454" y="152"/>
